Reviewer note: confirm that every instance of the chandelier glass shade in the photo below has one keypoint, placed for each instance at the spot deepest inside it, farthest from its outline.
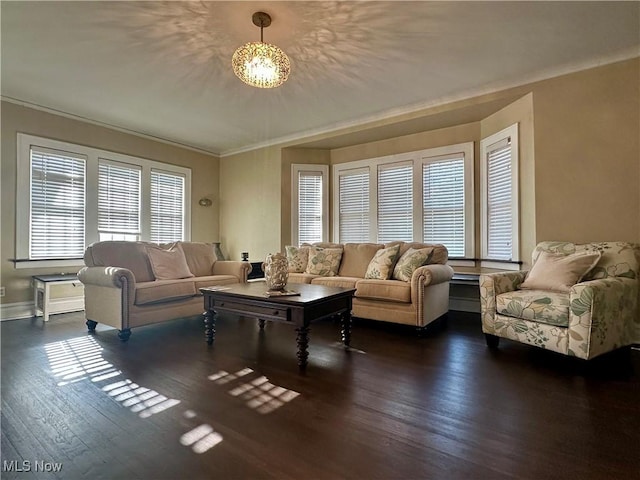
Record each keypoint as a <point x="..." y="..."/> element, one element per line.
<point x="261" y="64"/>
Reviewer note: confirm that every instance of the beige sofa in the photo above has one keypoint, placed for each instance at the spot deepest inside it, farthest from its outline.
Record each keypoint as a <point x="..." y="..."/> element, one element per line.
<point x="132" y="284"/>
<point x="419" y="300"/>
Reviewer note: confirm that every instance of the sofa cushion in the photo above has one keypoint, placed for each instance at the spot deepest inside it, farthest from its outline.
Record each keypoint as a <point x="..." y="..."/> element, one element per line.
<point x="130" y="255"/>
<point x="297" y="258"/>
<point x="163" y="291"/>
<point x="214" y="280"/>
<point x="168" y="264"/>
<point x="410" y="261"/>
<point x="440" y="253"/>
<point x="559" y="272"/>
<point x="344" y="282"/>
<point x="381" y="265"/>
<point x="200" y="257"/>
<point x="301" y="277"/>
<point x="356" y="258"/>
<point x="389" y="290"/>
<point x="324" y="261"/>
<point x="540" y="306"/>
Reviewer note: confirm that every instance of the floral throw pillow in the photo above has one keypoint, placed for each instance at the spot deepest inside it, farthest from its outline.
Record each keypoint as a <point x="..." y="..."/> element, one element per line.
<point x="297" y="258"/>
<point x="324" y="261"/>
<point x="381" y="265"/>
<point x="409" y="261"/>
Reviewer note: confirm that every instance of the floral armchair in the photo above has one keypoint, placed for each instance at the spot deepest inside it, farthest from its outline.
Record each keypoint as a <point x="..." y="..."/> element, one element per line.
<point x="597" y="314"/>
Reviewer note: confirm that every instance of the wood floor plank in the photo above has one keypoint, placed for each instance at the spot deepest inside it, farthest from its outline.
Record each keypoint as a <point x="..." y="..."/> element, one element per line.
<point x="165" y="405"/>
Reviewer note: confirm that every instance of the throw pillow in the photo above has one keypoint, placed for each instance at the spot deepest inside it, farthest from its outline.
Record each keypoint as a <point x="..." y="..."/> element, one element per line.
<point x="559" y="272"/>
<point x="381" y="265"/>
<point x="168" y="264"/>
<point x="297" y="258"/>
<point x="410" y="261"/>
<point x="324" y="261"/>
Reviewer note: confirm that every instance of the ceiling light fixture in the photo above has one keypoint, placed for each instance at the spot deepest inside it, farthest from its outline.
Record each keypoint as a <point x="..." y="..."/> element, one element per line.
<point x="261" y="64"/>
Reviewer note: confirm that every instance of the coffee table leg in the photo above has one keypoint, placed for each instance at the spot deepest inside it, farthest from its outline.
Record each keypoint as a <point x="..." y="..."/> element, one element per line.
<point x="210" y="325"/>
<point x="346" y="328"/>
<point x="303" y="346"/>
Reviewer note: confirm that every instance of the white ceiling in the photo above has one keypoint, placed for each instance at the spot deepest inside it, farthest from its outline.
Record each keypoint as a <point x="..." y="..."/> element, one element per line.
<point x="163" y="69"/>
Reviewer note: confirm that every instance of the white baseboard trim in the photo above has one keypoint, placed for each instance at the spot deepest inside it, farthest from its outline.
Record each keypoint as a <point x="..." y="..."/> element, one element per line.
<point x="464" y="304"/>
<point x="18" y="310"/>
<point x="14" y="311"/>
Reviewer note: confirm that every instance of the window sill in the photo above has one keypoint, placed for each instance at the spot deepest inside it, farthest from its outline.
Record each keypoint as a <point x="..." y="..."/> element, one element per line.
<point x="55" y="263"/>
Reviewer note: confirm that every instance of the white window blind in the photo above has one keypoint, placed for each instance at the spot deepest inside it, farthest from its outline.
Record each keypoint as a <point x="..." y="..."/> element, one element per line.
<point x="499" y="201"/>
<point x="395" y="202"/>
<point x="443" y="204"/>
<point x="167" y="207"/>
<point x="118" y="201"/>
<point x="309" y="207"/>
<point x="57" y="204"/>
<point x="354" y="206"/>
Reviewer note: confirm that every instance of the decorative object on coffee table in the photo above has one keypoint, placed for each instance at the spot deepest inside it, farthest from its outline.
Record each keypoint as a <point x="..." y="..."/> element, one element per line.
<point x="276" y="271"/>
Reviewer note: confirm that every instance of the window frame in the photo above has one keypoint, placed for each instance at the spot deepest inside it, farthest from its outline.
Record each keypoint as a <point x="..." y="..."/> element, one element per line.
<point x="296" y="169"/>
<point x="418" y="159"/>
<point x="506" y="134"/>
<point x="92" y="155"/>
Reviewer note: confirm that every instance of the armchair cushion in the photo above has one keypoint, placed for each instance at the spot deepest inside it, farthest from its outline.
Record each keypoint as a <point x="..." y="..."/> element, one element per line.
<point x="558" y="272"/>
<point x="547" y="307"/>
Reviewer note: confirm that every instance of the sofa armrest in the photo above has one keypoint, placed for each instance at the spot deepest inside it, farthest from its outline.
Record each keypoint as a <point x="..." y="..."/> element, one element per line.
<point x="602" y="315"/>
<point x="431" y="275"/>
<point x="232" y="267"/>
<point x="425" y="276"/>
<point x="492" y="285"/>
<point x="109" y="294"/>
<point x="106" y="276"/>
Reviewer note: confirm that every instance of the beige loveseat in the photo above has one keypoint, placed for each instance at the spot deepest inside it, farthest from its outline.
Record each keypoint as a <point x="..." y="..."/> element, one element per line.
<point x="131" y="284"/>
<point x="418" y="299"/>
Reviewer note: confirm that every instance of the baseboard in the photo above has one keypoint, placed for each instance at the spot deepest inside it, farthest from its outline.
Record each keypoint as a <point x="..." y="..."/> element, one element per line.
<point x="18" y="310"/>
<point x="14" y="311"/>
<point x="461" y="304"/>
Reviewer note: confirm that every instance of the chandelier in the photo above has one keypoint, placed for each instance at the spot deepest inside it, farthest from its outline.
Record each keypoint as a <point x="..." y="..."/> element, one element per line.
<point x="260" y="64"/>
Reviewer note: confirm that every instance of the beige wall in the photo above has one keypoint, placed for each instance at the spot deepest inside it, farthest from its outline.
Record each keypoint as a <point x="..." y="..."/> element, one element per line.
<point x="15" y="118"/>
<point x="250" y="209"/>
<point x="587" y="128"/>
<point x="579" y="157"/>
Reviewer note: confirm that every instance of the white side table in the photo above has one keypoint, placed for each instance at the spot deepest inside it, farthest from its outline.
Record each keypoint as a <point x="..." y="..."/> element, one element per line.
<point x="43" y="303"/>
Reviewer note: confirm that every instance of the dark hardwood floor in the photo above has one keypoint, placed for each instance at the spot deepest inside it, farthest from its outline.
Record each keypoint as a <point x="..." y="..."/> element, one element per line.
<point x="164" y="405"/>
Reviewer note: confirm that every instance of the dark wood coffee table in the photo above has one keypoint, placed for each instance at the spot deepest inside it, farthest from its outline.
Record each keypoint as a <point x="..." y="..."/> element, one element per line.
<point x="315" y="302"/>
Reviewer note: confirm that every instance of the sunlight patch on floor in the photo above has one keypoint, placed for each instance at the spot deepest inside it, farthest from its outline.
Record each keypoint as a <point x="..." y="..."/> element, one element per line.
<point x="259" y="394"/>
<point x="81" y="358"/>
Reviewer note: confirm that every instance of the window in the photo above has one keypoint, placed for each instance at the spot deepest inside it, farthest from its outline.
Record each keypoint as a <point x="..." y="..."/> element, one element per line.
<point x="118" y="201"/>
<point x="395" y="202"/>
<point x="167" y="207"/>
<point x="309" y="203"/>
<point x="70" y="196"/>
<point x="57" y="204"/>
<point x="423" y="196"/>
<point x="353" y="217"/>
<point x="443" y="203"/>
<point x="499" y="197"/>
